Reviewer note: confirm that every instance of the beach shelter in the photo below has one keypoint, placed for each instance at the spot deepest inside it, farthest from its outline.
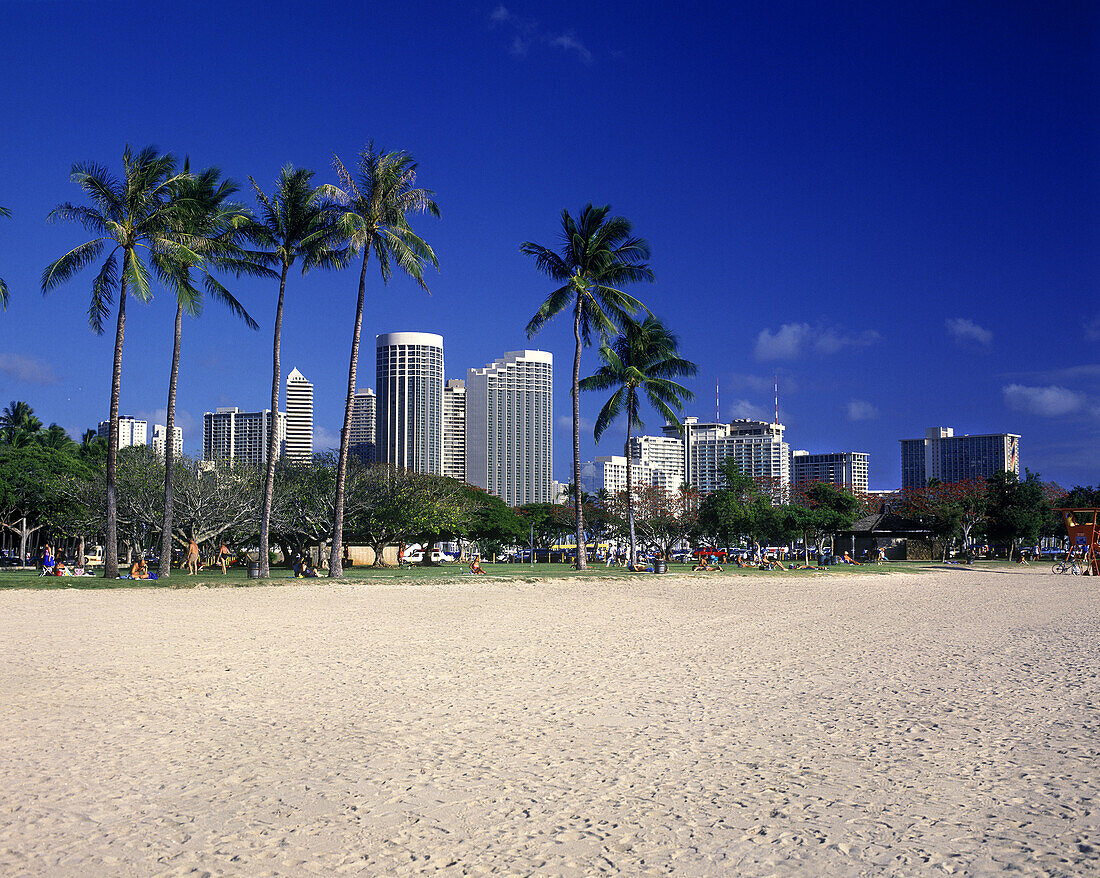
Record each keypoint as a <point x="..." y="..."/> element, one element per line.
<point x="1083" y="527"/>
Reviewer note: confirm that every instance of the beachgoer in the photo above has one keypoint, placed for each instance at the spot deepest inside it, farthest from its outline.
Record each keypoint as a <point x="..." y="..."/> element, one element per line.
<point x="223" y="557"/>
<point x="139" y="569"/>
<point x="47" y="560"/>
<point x="308" y="570"/>
<point x="192" y="557"/>
<point x="475" y="565"/>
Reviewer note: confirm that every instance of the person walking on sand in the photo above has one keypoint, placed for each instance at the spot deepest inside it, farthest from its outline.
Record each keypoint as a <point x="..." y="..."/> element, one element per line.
<point x="223" y="557"/>
<point x="192" y="557"/>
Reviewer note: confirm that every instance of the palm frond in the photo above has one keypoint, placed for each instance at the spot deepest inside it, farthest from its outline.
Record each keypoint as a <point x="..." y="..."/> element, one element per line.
<point x="63" y="269"/>
<point x="555" y="303"/>
<point x="103" y="294"/>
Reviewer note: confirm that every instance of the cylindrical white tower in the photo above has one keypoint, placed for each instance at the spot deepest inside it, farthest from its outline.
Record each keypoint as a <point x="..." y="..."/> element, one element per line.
<point x="410" y="400"/>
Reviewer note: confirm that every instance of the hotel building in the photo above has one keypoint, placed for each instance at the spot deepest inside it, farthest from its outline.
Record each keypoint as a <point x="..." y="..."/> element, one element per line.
<point x="509" y="427"/>
<point x="949" y="458"/>
<point x="299" y="417"/>
<point x="454" y="429"/>
<point x="409" y="370"/>
<point x="230" y="434"/>
<point x="845" y="468"/>
<point x="159" y="434"/>
<point x="131" y="431"/>
<point x="364" y="424"/>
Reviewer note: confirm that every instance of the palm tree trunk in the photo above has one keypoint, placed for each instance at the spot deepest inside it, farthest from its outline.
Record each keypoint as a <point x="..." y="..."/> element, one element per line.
<point x="336" y="560"/>
<point x="110" y="551"/>
<point x="630" y="482"/>
<point x="582" y="554"/>
<point x="164" y="568"/>
<point x="273" y="439"/>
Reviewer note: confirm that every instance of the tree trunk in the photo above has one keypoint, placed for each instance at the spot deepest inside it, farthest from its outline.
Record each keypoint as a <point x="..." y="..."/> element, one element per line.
<point x="630" y="484"/>
<point x="164" y="568"/>
<point x="335" y="564"/>
<point x="582" y="554"/>
<point x="110" y="551"/>
<point x="273" y="439"/>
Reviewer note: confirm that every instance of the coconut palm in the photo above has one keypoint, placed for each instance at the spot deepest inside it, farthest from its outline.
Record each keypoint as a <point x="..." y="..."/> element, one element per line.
<point x="373" y="207"/>
<point x="597" y="256"/>
<point x="641" y="362"/>
<point x="295" y="225"/>
<point x="18" y="423"/>
<point x="211" y="227"/>
<point x="131" y="215"/>
<point x="56" y="437"/>
<point x="4" y="212"/>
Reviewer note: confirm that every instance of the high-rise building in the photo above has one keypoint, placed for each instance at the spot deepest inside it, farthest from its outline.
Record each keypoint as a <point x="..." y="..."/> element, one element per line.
<point x="509" y="427"/>
<point x="230" y="434"/>
<point x="949" y="458"/>
<point x="299" y="417"/>
<point x="131" y="431"/>
<point x="662" y="457"/>
<point x="410" y="400"/>
<point x="454" y="429"/>
<point x="756" y="446"/>
<point x="845" y="468"/>
<point x="160" y="432"/>
<point x="364" y="424"/>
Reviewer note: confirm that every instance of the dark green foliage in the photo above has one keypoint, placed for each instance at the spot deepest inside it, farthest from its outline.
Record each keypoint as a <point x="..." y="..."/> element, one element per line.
<point x="1016" y="509"/>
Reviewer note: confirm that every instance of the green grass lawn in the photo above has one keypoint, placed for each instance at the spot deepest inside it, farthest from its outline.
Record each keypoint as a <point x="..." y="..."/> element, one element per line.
<point x="238" y="578"/>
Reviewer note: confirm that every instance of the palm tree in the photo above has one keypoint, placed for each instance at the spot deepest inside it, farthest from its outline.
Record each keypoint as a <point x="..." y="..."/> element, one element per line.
<point x="4" y="212"/>
<point x="129" y="214"/>
<point x="642" y="361"/>
<point x="373" y="207"/>
<point x="18" y="423"/>
<point x="295" y="224"/>
<point x="56" y="437"/>
<point x="210" y="227"/>
<point x="597" y="256"/>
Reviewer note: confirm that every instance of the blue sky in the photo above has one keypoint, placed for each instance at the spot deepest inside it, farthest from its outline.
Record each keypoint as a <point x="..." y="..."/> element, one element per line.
<point x="892" y="207"/>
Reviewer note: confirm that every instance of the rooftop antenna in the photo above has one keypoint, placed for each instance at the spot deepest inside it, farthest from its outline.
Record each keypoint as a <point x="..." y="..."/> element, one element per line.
<point x="776" y="398"/>
<point x="717" y="407"/>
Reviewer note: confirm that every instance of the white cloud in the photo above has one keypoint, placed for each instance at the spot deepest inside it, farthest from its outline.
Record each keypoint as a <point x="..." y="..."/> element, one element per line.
<point x="325" y="439"/>
<point x="565" y="422"/>
<point x="27" y="369"/>
<point x="1047" y="402"/>
<point x="966" y="331"/>
<point x="742" y="408"/>
<point x="191" y="426"/>
<point x="526" y="32"/>
<point x="792" y="340"/>
<point x="861" y="410"/>
<point x="569" y="43"/>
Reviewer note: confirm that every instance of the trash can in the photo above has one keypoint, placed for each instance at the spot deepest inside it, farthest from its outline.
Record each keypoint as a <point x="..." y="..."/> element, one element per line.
<point x="253" y="569"/>
<point x="660" y="565"/>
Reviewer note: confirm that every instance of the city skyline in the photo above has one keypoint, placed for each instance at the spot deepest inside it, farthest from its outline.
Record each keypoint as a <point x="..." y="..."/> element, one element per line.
<point x="893" y="213"/>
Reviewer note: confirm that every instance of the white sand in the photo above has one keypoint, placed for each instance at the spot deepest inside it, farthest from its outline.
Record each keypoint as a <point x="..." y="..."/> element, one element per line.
<point x="871" y="725"/>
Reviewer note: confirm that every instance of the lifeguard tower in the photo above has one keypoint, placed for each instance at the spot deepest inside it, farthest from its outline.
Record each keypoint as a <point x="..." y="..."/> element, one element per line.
<point x="1083" y="527"/>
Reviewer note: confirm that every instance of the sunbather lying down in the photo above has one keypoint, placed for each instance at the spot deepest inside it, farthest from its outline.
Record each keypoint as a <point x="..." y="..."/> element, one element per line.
<point x="706" y="567"/>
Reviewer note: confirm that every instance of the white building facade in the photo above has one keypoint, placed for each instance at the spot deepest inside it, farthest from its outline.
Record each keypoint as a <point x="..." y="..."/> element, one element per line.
<point x="510" y="427"/>
<point x="949" y="458"/>
<point x="160" y="432"/>
<point x="364" y="424"/>
<point x="756" y="446"/>
<point x="131" y="431"/>
<point x="230" y="434"/>
<point x="299" y="417"/>
<point x="409" y="370"/>
<point x="454" y="429"/>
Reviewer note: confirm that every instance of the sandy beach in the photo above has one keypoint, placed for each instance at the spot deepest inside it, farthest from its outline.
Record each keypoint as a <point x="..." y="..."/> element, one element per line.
<point x="909" y="724"/>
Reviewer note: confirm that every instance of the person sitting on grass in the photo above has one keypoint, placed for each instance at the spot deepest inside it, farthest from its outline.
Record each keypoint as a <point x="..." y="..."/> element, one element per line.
<point x="771" y="563"/>
<point x="308" y="570"/>
<point x="139" y="569"/>
<point x="475" y="565"/>
<point x="848" y="560"/>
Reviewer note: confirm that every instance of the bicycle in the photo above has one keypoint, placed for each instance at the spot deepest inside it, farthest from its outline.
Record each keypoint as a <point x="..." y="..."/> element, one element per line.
<point x="1067" y="567"/>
